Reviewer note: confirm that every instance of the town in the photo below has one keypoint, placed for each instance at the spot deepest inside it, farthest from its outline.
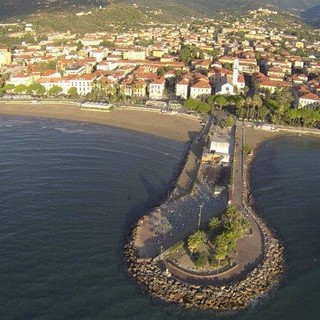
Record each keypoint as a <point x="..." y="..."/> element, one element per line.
<point x="248" y="61"/>
<point x="190" y="107"/>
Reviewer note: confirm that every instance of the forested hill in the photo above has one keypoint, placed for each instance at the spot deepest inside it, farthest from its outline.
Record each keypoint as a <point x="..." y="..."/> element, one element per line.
<point x="15" y="8"/>
<point x="312" y="15"/>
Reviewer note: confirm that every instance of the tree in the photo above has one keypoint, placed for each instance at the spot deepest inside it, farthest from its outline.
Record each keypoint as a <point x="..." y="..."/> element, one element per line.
<point x="55" y="90"/>
<point x="229" y="121"/>
<point x="227" y="65"/>
<point x="8" y="87"/>
<point x="41" y="90"/>
<point x="240" y="102"/>
<point x="185" y="54"/>
<point x="203" y="107"/>
<point x="197" y="240"/>
<point x="221" y="101"/>
<point x="257" y="104"/>
<point x="197" y="105"/>
<point x="37" y="89"/>
<point x="21" y="88"/>
<point x="284" y="98"/>
<point x="248" y="105"/>
<point x="214" y="223"/>
<point x="79" y="45"/>
<point x="50" y="65"/>
<point x="108" y="44"/>
<point x="215" y="53"/>
<point x="245" y="90"/>
<point x="73" y="93"/>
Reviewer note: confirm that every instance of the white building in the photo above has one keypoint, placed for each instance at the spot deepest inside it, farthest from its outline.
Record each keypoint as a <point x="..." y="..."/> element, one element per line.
<point x="224" y="88"/>
<point x="99" y="54"/>
<point x="200" y="88"/>
<point x="157" y="88"/>
<point x="220" y="144"/>
<point x="235" y="74"/>
<point x="308" y="100"/>
<point x="82" y="83"/>
<point x="182" y="89"/>
<point x="5" y="58"/>
<point x="20" y="79"/>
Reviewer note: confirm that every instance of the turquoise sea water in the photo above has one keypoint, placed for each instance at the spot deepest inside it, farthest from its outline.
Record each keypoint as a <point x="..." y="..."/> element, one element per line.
<point x="70" y="191"/>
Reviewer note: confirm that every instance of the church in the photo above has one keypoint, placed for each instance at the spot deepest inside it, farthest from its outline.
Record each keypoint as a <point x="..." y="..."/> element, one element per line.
<point x="226" y="82"/>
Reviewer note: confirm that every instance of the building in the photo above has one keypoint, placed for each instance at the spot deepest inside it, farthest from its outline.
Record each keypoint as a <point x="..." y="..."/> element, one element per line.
<point x="235" y="74"/>
<point x="5" y="58"/>
<point x="200" y="88"/>
<point x="308" y="100"/>
<point x="220" y="145"/>
<point x="224" y="87"/>
<point x="157" y="88"/>
<point x="134" y="55"/>
<point x="182" y="89"/>
<point x="83" y="83"/>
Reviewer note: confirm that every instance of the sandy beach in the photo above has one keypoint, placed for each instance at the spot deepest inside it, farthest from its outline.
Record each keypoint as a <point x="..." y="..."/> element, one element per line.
<point x="254" y="137"/>
<point x="163" y="125"/>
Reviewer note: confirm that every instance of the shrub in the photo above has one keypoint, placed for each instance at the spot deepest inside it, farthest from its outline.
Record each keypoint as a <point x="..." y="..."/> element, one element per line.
<point x="202" y="260"/>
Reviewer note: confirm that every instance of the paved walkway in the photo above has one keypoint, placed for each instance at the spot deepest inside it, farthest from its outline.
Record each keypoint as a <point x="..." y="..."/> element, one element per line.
<point x="176" y="220"/>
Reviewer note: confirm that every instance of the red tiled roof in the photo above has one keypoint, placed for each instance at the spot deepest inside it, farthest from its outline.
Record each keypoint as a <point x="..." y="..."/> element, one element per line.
<point x="241" y="78"/>
<point x="159" y="80"/>
<point x="310" y="96"/>
<point x="276" y="84"/>
<point x="201" y="84"/>
<point x="184" y="82"/>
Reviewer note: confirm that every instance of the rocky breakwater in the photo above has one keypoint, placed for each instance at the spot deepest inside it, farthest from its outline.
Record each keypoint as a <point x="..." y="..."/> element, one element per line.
<point x="262" y="277"/>
<point x="241" y="294"/>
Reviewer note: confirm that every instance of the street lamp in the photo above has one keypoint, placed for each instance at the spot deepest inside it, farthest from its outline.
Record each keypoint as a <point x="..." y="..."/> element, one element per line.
<point x="200" y="212"/>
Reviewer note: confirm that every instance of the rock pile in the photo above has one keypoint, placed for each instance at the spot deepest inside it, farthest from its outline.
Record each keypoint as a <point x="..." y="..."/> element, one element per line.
<point x="239" y="295"/>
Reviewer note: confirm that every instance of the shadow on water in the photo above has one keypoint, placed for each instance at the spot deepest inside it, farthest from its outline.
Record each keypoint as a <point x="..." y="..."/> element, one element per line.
<point x="192" y="134"/>
<point x="155" y="195"/>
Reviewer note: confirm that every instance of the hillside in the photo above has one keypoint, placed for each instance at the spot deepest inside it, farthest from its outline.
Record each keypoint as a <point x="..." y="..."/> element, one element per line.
<point x="84" y="20"/>
<point x="15" y="8"/>
<point x="312" y="16"/>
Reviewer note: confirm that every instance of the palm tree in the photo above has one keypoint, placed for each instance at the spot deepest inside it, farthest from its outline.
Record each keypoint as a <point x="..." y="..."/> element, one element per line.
<point x="248" y="105"/>
<point x="257" y="104"/>
<point x="240" y="102"/>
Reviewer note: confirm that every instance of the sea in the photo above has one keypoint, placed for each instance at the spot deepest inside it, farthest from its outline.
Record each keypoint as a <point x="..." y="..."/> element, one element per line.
<point x="71" y="191"/>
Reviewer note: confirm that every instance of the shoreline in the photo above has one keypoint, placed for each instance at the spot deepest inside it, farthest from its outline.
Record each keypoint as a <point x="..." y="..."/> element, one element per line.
<point x="174" y="127"/>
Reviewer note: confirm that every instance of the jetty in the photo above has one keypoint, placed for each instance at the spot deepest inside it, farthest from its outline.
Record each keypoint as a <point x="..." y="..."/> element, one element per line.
<point x="258" y="258"/>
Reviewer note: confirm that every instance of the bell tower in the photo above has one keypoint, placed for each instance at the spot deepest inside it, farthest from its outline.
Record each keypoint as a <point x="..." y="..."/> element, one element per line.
<point x="235" y="72"/>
